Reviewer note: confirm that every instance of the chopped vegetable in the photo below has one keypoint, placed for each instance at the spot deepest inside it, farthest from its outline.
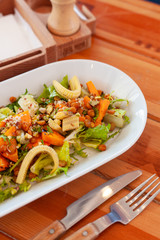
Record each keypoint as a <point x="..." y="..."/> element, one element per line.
<point x="25" y="119"/>
<point x="87" y="101"/>
<point x="4" y="163"/>
<point x="63" y="153"/>
<point x="70" y="123"/>
<point x="5" y="112"/>
<point x="40" y="163"/>
<point x="103" y="106"/>
<point x="92" y="89"/>
<point x="27" y="103"/>
<point x="11" y="156"/>
<point x="118" y="121"/>
<point x="2" y="124"/>
<point x="11" y="131"/>
<point x="53" y="138"/>
<point x="66" y="93"/>
<point x="99" y="132"/>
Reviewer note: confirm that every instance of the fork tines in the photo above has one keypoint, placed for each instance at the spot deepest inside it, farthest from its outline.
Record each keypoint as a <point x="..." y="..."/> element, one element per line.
<point x="133" y="203"/>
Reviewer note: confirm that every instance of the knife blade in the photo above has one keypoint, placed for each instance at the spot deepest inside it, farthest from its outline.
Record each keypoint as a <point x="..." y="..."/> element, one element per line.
<point x="86" y="204"/>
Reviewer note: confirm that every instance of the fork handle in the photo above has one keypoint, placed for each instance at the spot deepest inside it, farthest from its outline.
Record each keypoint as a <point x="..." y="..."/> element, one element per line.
<point x="88" y="232"/>
<point x="53" y="231"/>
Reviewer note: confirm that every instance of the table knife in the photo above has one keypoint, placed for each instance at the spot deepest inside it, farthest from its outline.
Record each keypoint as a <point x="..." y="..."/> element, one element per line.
<point x="86" y="204"/>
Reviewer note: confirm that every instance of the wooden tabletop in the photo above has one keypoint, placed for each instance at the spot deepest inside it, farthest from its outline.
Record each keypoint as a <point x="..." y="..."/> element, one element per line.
<point x="128" y="37"/>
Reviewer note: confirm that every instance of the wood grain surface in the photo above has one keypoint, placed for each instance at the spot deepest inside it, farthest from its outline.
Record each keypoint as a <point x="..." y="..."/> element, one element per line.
<point x="127" y="36"/>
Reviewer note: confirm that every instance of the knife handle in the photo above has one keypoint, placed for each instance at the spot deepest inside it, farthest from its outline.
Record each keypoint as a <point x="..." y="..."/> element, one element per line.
<point x="51" y="232"/>
<point x="88" y="232"/>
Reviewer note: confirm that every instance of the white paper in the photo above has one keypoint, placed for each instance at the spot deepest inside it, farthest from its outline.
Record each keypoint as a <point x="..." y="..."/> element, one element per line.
<point x="16" y="36"/>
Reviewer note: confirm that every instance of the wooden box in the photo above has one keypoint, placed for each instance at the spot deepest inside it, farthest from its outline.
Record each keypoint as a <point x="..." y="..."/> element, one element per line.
<point x="35" y="13"/>
<point x="32" y="59"/>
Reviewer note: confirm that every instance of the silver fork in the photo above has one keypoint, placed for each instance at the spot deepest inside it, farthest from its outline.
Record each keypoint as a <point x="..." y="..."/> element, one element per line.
<point x="123" y="211"/>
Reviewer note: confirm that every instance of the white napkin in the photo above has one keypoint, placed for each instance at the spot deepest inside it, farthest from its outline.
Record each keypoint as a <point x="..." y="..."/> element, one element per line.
<point x="16" y="36"/>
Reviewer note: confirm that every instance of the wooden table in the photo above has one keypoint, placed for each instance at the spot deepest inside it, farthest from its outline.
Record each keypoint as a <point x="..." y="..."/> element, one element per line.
<point x="128" y="37"/>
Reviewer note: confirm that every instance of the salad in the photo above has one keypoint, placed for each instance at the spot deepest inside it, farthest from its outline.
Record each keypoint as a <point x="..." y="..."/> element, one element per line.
<point x="43" y="136"/>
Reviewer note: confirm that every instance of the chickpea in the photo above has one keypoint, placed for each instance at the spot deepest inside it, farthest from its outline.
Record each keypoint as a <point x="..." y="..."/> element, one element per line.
<point x="41" y="122"/>
<point x="102" y="147"/>
<point x="87" y="123"/>
<point x="92" y="124"/>
<point x="62" y="163"/>
<point x="73" y="109"/>
<point x="33" y="140"/>
<point x="88" y="117"/>
<point x="16" y="171"/>
<point x="91" y="113"/>
<point x="88" y="106"/>
<point x="25" y="126"/>
<point x="12" y="99"/>
<point x="32" y="175"/>
<point x="113" y="125"/>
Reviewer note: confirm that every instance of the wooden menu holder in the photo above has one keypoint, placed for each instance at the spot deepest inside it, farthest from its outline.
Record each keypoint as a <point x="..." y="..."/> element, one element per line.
<point x="35" y="13"/>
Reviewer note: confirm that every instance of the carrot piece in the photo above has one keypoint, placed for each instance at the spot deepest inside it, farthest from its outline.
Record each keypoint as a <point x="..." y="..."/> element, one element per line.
<point x="25" y="120"/>
<point x="2" y="124"/>
<point x="92" y="89"/>
<point x="103" y="106"/>
<point x="87" y="100"/>
<point x="11" y="131"/>
<point x="12" y="145"/>
<point x="4" y="163"/>
<point x="53" y="138"/>
<point x="11" y="156"/>
<point x="3" y="143"/>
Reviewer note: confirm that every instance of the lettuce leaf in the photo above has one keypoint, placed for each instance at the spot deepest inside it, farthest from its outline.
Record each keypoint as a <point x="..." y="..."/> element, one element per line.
<point x="14" y="106"/>
<point x="93" y="143"/>
<point x="42" y="161"/>
<point x="5" y="112"/>
<point x="118" y="100"/>
<point x="6" y="193"/>
<point x="24" y="187"/>
<point x="78" y="149"/>
<point x="64" y="82"/>
<point x="99" y="132"/>
<point x="12" y="191"/>
<point x="47" y="175"/>
<point x="119" y="112"/>
<point x="126" y="119"/>
<point x="64" y="154"/>
<point x="50" y="92"/>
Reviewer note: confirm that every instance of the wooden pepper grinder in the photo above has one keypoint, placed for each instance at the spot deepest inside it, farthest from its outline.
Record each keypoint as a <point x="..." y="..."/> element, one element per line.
<point x="63" y="20"/>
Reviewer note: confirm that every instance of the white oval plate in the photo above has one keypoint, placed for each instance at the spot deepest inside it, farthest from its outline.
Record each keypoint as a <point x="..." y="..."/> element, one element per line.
<point x="106" y="78"/>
